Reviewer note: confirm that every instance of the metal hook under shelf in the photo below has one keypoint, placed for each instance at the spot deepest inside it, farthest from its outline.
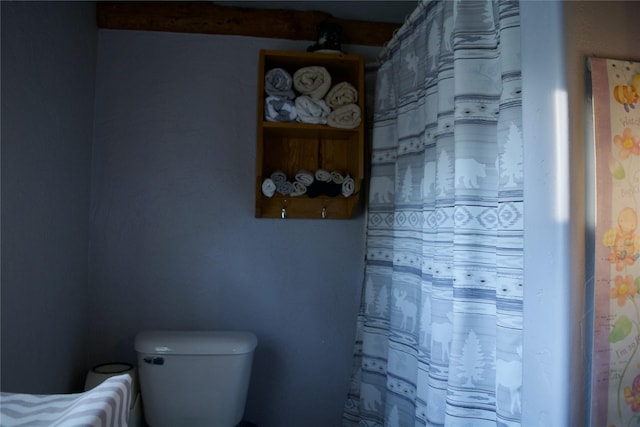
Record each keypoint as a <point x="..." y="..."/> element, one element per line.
<point x="283" y="212"/>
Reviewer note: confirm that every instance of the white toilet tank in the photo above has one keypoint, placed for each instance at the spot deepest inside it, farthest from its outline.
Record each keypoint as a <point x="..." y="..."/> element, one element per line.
<point x="194" y="378"/>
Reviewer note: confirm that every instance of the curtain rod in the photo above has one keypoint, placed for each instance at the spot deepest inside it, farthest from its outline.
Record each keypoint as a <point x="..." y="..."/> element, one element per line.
<point x="405" y="27"/>
<point x="408" y="21"/>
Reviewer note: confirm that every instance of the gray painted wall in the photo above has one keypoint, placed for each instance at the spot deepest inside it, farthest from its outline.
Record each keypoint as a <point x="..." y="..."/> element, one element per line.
<point x="48" y="74"/>
<point x="546" y="389"/>
<point x="174" y="241"/>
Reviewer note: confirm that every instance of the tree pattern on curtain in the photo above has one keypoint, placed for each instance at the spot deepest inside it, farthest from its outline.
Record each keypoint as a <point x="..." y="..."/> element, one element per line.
<point x="440" y="327"/>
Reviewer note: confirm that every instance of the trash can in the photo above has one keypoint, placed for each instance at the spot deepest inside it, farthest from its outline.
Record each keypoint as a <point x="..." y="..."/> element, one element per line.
<point x="99" y="373"/>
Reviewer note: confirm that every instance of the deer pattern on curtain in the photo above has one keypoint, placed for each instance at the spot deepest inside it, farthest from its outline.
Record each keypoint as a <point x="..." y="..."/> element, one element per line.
<point x="439" y="337"/>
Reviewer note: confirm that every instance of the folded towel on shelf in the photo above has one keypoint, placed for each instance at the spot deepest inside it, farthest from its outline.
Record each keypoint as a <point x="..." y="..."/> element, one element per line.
<point x="278" y="176"/>
<point x="323" y="175"/>
<point x="279" y="109"/>
<point x="278" y="82"/>
<point x="311" y="111"/>
<point x="298" y="189"/>
<point x="313" y="81"/>
<point x="345" y="117"/>
<point x="324" y="188"/>
<point x="337" y="177"/>
<point x="348" y="186"/>
<point x="268" y="187"/>
<point x="341" y="94"/>
<point x="284" y="187"/>
<point x="305" y="177"/>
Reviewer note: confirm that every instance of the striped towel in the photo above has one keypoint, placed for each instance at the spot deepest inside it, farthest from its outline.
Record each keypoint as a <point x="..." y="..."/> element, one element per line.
<point x="106" y="405"/>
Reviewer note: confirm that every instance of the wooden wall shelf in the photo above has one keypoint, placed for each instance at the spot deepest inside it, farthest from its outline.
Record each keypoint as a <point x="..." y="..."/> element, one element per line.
<point x="291" y="146"/>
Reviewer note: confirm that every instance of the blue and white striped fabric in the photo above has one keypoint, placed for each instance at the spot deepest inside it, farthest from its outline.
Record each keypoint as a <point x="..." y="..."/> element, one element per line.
<point x="106" y="405"/>
<point x="440" y="327"/>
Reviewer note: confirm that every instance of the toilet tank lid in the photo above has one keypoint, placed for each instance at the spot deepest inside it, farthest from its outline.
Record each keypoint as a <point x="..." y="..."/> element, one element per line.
<point x="195" y="342"/>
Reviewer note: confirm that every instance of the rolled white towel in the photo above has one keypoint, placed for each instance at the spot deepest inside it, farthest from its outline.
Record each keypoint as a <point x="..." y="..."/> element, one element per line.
<point x="341" y="94"/>
<point x="268" y="187"/>
<point x="337" y="177"/>
<point x="313" y="81"/>
<point x="311" y="111"/>
<point x="279" y="109"/>
<point x="278" y="82"/>
<point x="298" y="189"/>
<point x="348" y="186"/>
<point x="284" y="187"/>
<point x="345" y="117"/>
<point x="323" y="175"/>
<point x="278" y="176"/>
<point x="305" y="177"/>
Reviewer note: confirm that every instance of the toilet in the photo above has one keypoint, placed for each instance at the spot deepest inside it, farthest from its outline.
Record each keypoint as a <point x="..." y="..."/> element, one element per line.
<point x="194" y="378"/>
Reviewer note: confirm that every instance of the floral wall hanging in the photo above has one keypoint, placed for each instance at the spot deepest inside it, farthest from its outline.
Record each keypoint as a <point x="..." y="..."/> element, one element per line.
<point x="616" y="356"/>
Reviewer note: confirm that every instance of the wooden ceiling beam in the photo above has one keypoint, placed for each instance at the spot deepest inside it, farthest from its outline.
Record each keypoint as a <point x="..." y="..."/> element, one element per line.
<point x="209" y="18"/>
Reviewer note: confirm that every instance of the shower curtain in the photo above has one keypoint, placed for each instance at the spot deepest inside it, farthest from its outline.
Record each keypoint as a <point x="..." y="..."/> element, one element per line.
<point x="439" y="338"/>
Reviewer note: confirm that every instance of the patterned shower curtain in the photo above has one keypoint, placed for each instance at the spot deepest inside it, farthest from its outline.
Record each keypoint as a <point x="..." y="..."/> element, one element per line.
<point x="439" y="337"/>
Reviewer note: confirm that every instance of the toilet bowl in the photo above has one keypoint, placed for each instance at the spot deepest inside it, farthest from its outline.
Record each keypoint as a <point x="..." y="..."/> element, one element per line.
<point x="194" y="378"/>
